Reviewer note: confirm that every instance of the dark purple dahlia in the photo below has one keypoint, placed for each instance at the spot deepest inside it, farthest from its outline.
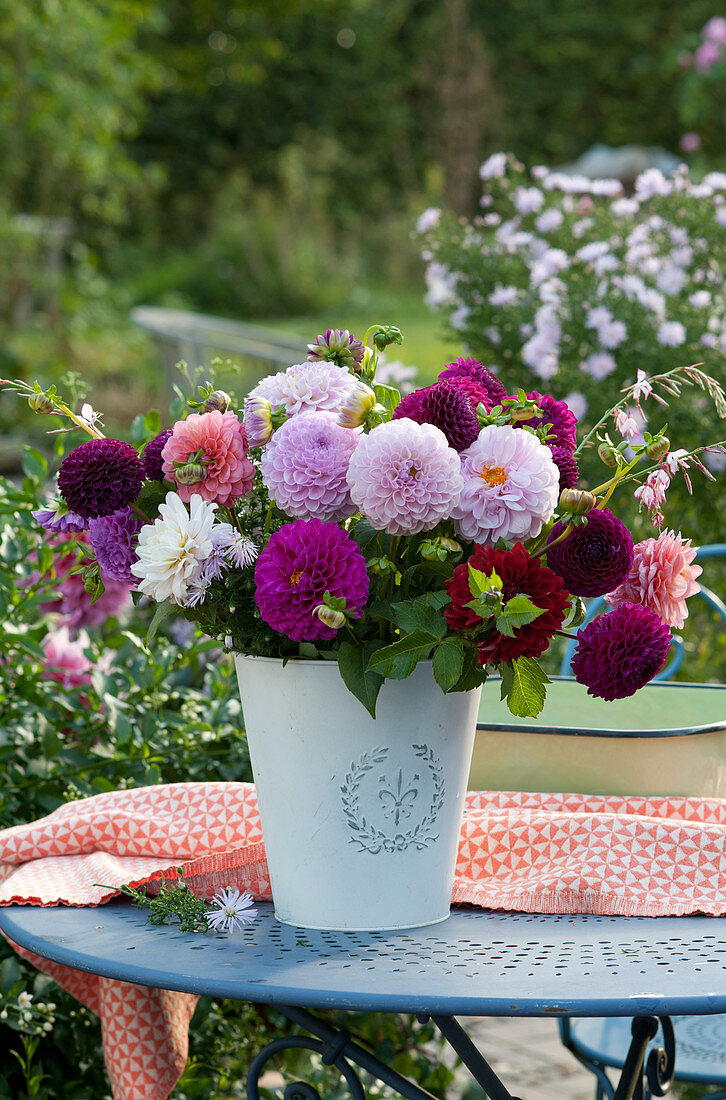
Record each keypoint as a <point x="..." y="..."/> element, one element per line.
<point x="594" y="558"/>
<point x="114" y="540"/>
<point x="472" y="368"/>
<point x="618" y="653"/>
<point x="301" y="562"/>
<point x="447" y="405"/>
<point x="99" y="477"/>
<point x="559" y="415"/>
<point x="151" y="459"/>
<point x="566" y="463"/>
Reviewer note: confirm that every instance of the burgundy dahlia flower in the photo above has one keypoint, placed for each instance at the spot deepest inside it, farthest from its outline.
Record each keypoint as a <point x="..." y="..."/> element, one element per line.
<point x="521" y="574"/>
<point x="301" y="562"/>
<point x="565" y="461"/>
<point x="618" y="653"/>
<point x="99" y="477"/>
<point x="472" y="368"/>
<point x="594" y="558"/>
<point x="151" y="458"/>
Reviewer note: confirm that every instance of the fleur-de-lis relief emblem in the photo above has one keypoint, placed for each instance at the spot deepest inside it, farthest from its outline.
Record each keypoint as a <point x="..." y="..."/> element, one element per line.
<point x="398" y="801"/>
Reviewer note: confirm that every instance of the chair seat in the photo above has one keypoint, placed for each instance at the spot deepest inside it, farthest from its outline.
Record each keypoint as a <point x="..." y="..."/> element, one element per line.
<point x="700" y="1045"/>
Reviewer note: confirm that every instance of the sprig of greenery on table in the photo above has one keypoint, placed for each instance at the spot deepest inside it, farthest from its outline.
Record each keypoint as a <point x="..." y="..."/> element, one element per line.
<point x="173" y="904"/>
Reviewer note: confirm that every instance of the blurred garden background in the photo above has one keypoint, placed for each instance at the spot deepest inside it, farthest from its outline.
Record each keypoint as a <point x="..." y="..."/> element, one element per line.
<point x="276" y="163"/>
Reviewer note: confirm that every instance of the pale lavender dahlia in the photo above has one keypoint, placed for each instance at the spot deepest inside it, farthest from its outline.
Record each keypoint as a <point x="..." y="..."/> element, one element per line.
<point x="617" y="654"/>
<point x="56" y="516"/>
<point x="99" y="477"/>
<point x="511" y="486"/>
<point x="337" y="346"/>
<point x="114" y="540"/>
<point x="304" y="467"/>
<point x="594" y="558"/>
<point x="306" y="386"/>
<point x="301" y="562"/>
<point x="404" y="477"/>
<point x="151" y="459"/>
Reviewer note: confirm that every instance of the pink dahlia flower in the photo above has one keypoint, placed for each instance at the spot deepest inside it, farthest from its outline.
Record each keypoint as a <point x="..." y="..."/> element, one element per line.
<point x="221" y="439"/>
<point x="304" y="467"/>
<point x="306" y="386"/>
<point x="662" y="577"/>
<point x="404" y="477"/>
<point x="65" y="659"/>
<point x="511" y="486"/>
<point x="301" y="562"/>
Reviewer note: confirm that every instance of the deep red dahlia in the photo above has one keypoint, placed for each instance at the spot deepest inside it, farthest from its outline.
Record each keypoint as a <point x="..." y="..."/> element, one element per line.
<point x="520" y="573"/>
<point x="99" y="477"/>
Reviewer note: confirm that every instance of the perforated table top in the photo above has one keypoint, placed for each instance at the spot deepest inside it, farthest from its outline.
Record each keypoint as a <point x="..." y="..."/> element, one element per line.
<point x="476" y="963"/>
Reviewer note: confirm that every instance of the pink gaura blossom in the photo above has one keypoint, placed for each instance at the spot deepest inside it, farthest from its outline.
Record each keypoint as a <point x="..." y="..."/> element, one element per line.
<point x="662" y="577"/>
<point x="642" y="387"/>
<point x="626" y="423"/>
<point x="652" y="493"/>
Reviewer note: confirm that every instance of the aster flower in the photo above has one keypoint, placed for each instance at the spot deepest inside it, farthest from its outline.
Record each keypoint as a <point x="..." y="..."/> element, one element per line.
<point x="404" y="477"/>
<point x="236" y="548"/>
<point x="662" y="577"/>
<point x="511" y="486"/>
<point x="337" y="346"/>
<point x="219" y="439"/>
<point x="151" y="459"/>
<point x="301" y="562"/>
<point x="197" y="590"/>
<point x="306" y="386"/>
<point x="520" y="575"/>
<point x="230" y="908"/>
<point x="99" y="477"/>
<point x="172" y="550"/>
<point x="594" y="557"/>
<point x="448" y="406"/>
<point x="618" y="653"/>
<point x="305" y="464"/>
<point x="56" y="516"/>
<point x="114" y="539"/>
<point x="472" y="368"/>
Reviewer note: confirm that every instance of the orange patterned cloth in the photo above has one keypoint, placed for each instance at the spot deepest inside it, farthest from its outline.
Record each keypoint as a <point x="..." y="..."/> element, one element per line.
<point x="543" y="853"/>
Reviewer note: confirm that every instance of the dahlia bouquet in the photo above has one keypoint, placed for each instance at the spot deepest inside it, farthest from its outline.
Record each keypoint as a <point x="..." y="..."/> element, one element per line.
<point x="327" y="517"/>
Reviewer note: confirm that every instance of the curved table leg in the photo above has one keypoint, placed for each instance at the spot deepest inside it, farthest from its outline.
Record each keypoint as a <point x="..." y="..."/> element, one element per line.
<point x="639" y="1077"/>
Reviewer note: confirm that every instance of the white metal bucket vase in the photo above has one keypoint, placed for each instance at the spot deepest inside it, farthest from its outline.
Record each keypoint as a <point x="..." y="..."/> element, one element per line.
<point x="360" y="817"/>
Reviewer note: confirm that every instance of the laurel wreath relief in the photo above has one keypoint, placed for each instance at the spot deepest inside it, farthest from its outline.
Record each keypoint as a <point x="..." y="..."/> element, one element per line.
<point x="367" y="836"/>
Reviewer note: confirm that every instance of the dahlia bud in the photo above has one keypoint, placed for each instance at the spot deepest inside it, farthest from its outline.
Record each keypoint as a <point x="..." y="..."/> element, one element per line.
<point x="328" y="615"/>
<point x="578" y="502"/>
<point x="439" y="549"/>
<point x="359" y="403"/>
<point x="607" y="455"/>
<point x="41" y="403"/>
<point x="257" y="421"/>
<point x="524" y="412"/>
<point x="217" y="401"/>
<point x="191" y="474"/>
<point x="658" y="448"/>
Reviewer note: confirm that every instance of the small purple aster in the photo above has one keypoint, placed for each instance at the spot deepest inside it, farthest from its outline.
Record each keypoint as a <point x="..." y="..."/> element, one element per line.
<point x="114" y="540"/>
<point x="301" y="562"/>
<point x="304" y="467"/>
<point x="559" y="415"/>
<point x="56" y="517"/>
<point x="338" y="346"/>
<point x="594" y="558"/>
<point x="472" y="368"/>
<point x="151" y="459"/>
<point x="448" y="406"/>
<point x="99" y="477"/>
<point x="618" y="653"/>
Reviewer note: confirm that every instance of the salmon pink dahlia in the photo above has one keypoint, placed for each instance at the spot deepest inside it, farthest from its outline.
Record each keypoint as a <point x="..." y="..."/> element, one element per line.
<point x="662" y="577"/>
<point x="219" y="438"/>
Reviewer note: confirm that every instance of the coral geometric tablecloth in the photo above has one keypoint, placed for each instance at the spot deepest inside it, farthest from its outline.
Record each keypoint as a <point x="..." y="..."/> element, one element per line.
<point x="532" y="852"/>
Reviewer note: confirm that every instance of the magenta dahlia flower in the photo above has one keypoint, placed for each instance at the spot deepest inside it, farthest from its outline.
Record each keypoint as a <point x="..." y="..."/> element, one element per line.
<point x="521" y="575"/>
<point x="448" y="406"/>
<point x="594" y="557"/>
<point x="472" y="368"/>
<point x="511" y="486"/>
<point x="114" y="540"/>
<point x="305" y="464"/>
<point x="559" y="415"/>
<point x="565" y="461"/>
<point x="618" y="653"/>
<point x="662" y="577"/>
<point x="99" y="477"/>
<point x="404" y="477"/>
<point x="301" y="562"/>
<point x="151" y="458"/>
<point x="220" y="438"/>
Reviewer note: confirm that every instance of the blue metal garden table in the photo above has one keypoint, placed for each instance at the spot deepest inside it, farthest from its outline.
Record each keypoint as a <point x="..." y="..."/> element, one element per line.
<point x="477" y="963"/>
